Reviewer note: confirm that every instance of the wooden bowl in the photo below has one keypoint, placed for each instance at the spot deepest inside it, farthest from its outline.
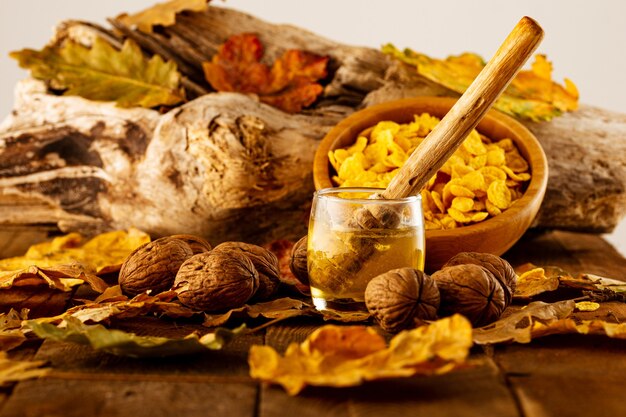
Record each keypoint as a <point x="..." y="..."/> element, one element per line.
<point x="494" y="235"/>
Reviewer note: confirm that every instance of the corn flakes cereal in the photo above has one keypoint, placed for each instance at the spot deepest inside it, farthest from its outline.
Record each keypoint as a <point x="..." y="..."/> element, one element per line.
<point x="480" y="180"/>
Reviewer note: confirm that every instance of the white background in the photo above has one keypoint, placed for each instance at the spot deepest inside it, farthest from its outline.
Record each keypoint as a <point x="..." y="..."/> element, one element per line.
<point x="585" y="39"/>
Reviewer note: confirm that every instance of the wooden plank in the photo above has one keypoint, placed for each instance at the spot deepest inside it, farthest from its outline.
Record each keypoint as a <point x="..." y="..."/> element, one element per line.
<point x="574" y="252"/>
<point x="76" y="398"/>
<point x="70" y="358"/>
<point x="572" y="375"/>
<point x="567" y="375"/>
<point x="110" y="385"/>
<point x="479" y="391"/>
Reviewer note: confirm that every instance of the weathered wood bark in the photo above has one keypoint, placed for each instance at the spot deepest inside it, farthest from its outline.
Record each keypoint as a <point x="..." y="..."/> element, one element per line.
<point x="229" y="167"/>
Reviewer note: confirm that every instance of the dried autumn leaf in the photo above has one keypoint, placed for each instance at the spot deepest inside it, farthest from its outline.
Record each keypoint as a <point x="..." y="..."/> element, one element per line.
<point x="122" y="343"/>
<point x="531" y="95"/>
<point x="162" y="14"/>
<point x="60" y="277"/>
<point x="519" y="326"/>
<point x="349" y="355"/>
<point x="103" y="73"/>
<point x="570" y="325"/>
<point x="280" y="308"/>
<point x="103" y="254"/>
<point x="13" y="371"/>
<point x="594" y="283"/>
<point x="290" y="84"/>
<point x="141" y="305"/>
<point x="11" y="335"/>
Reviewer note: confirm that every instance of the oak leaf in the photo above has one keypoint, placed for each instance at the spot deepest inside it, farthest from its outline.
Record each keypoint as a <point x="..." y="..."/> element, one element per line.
<point x="531" y="95"/>
<point x="123" y="343"/>
<point x="341" y="356"/>
<point x="163" y="14"/>
<point x="102" y="254"/>
<point x="290" y="84"/>
<point x="103" y="73"/>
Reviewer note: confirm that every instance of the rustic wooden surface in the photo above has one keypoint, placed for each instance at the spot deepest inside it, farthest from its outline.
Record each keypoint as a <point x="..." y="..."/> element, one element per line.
<point x="569" y="375"/>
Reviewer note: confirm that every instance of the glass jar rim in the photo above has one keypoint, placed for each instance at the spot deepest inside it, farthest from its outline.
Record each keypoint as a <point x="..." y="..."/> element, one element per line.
<point x="327" y="194"/>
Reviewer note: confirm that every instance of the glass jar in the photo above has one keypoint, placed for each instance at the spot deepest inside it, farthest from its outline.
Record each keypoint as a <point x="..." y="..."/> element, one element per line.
<point x="353" y="237"/>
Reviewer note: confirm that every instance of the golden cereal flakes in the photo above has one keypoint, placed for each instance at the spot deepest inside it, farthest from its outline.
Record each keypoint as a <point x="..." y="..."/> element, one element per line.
<point x="481" y="179"/>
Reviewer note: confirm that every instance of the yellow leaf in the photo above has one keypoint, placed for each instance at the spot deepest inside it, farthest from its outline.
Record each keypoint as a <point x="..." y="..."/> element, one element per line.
<point x="569" y="325"/>
<point x="531" y="95"/>
<point x="60" y="277"/>
<point x="104" y="73"/>
<point x="103" y="254"/>
<point x="163" y="14"/>
<point x="341" y="356"/>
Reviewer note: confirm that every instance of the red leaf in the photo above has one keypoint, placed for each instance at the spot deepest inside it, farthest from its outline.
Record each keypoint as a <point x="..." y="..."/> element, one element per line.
<point x="290" y="85"/>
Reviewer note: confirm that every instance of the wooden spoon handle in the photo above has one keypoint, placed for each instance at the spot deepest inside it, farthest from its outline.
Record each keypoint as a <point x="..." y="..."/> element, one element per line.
<point x="448" y="135"/>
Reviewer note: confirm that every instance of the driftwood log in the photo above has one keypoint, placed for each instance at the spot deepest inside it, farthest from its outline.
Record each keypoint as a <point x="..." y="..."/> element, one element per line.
<point x="226" y="166"/>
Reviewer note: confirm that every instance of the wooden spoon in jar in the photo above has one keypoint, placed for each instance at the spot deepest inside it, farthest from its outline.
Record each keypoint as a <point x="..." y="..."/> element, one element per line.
<point x="439" y="145"/>
<point x="452" y="130"/>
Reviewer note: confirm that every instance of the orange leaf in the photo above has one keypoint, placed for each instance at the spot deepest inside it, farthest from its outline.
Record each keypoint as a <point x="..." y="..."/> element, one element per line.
<point x="290" y="84"/>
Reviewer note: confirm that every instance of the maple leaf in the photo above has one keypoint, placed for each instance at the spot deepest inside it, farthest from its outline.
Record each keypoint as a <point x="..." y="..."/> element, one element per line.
<point x="103" y="73"/>
<point x="163" y="14"/>
<point x="531" y="95"/>
<point x="290" y="84"/>
<point x="341" y="356"/>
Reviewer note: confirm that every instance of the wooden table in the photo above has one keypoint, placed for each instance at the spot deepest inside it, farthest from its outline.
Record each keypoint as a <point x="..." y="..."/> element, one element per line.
<point x="564" y="375"/>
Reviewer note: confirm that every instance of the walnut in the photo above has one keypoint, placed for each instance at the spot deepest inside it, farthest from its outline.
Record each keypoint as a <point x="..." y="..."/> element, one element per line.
<point x="265" y="262"/>
<point x="402" y="298"/>
<point x="501" y="269"/>
<point x="470" y="290"/>
<point x="196" y="243"/>
<point x="153" y="266"/>
<point x="297" y="262"/>
<point x="216" y="280"/>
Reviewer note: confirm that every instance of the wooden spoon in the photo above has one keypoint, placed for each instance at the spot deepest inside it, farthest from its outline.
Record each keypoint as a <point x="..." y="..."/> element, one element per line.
<point x="452" y="130"/>
<point x="447" y="136"/>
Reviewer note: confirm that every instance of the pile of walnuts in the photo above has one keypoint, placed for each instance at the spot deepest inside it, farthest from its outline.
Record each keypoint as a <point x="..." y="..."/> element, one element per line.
<point x="205" y="278"/>
<point x="477" y="285"/>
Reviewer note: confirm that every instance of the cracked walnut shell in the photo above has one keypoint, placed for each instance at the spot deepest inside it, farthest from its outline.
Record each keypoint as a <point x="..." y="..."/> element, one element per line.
<point x="402" y="298"/>
<point x="153" y="266"/>
<point x="216" y="280"/>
